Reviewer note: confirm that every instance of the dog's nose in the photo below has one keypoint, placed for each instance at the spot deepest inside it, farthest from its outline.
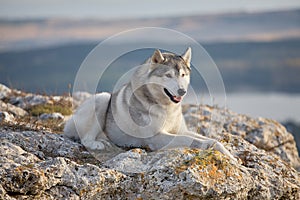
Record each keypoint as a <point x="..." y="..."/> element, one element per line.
<point x="181" y="91"/>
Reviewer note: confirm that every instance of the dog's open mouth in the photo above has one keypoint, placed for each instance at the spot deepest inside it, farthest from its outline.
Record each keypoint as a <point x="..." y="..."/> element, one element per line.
<point x="175" y="99"/>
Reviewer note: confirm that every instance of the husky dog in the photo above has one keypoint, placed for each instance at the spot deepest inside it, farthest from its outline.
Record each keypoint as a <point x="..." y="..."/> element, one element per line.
<point x="144" y="113"/>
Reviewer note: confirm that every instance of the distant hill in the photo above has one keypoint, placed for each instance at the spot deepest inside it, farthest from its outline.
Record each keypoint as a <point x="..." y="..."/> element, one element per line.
<point x="260" y="66"/>
<point x="256" y="26"/>
<point x="43" y="70"/>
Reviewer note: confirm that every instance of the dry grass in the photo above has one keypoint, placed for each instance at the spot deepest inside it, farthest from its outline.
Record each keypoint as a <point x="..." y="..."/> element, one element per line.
<point x="50" y="108"/>
<point x="30" y="123"/>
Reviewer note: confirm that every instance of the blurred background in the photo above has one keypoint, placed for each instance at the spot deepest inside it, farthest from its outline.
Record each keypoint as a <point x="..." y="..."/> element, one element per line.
<point x="255" y="44"/>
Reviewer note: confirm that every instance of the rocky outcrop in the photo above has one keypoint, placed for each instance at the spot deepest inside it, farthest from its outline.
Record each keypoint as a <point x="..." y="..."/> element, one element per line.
<point x="265" y="134"/>
<point x="42" y="164"/>
<point x="45" y="165"/>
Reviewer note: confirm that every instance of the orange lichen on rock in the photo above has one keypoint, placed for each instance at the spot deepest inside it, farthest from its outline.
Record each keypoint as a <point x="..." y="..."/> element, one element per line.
<point x="209" y="165"/>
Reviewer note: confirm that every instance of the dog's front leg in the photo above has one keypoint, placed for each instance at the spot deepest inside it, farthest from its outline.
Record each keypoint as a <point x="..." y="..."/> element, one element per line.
<point x="89" y="139"/>
<point x="165" y="140"/>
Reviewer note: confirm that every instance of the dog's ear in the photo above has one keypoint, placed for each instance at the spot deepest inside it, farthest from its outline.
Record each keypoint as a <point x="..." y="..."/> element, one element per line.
<point x="157" y="57"/>
<point x="187" y="56"/>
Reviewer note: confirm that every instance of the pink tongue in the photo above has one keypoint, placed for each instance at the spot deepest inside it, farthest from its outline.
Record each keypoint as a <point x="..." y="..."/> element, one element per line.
<point x="177" y="98"/>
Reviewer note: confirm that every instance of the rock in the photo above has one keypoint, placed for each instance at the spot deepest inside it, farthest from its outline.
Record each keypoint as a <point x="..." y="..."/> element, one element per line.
<point x="12" y="109"/>
<point x="44" y="170"/>
<point x="53" y="178"/>
<point x="47" y="116"/>
<point x="48" y="166"/>
<point x="4" y="91"/>
<point x="29" y="100"/>
<point x="6" y="117"/>
<point x="25" y="101"/>
<point x="263" y="133"/>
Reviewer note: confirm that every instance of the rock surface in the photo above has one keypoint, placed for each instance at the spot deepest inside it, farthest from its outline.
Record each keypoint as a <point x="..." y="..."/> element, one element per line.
<point x="45" y="165"/>
<point x="12" y="109"/>
<point x="263" y="133"/>
<point x="39" y="164"/>
<point x="4" y="91"/>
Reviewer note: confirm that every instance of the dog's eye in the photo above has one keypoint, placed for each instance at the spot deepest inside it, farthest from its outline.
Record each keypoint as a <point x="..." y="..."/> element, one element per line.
<point x="182" y="75"/>
<point x="169" y="75"/>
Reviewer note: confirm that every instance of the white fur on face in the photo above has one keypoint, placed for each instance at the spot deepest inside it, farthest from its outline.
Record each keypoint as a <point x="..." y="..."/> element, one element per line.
<point x="177" y="81"/>
<point x="183" y="79"/>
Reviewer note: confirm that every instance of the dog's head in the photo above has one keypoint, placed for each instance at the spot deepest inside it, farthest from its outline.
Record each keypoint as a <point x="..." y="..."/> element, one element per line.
<point x="171" y="73"/>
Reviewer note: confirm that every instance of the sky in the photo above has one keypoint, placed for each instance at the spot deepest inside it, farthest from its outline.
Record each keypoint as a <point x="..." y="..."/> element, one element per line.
<point x="108" y="9"/>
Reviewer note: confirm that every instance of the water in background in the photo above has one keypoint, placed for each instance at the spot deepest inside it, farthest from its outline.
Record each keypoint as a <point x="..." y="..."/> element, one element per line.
<point x="278" y="106"/>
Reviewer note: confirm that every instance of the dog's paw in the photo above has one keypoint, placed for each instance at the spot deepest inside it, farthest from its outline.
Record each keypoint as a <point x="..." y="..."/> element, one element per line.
<point x="94" y="145"/>
<point x="218" y="146"/>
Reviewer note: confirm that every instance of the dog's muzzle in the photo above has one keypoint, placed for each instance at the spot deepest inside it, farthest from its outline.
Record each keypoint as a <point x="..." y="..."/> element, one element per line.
<point x="175" y="99"/>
